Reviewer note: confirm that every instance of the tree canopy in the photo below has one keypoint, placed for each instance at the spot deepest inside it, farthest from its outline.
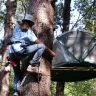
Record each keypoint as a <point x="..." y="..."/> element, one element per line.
<point x="87" y="8"/>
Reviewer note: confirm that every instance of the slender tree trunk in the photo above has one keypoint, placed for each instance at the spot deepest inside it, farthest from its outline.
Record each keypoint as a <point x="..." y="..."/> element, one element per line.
<point x="43" y="13"/>
<point x="66" y="15"/>
<point x="60" y="88"/>
<point x="9" y="26"/>
<point x="66" y="23"/>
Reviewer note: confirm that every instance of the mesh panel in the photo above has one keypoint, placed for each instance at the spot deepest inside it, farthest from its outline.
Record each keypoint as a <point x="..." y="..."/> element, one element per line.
<point x="72" y="46"/>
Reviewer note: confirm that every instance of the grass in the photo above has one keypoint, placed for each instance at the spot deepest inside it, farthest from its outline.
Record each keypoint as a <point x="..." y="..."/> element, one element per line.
<point x="11" y="83"/>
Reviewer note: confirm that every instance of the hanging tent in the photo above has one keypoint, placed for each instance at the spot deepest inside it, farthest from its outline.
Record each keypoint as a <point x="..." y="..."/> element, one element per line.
<point x="75" y="58"/>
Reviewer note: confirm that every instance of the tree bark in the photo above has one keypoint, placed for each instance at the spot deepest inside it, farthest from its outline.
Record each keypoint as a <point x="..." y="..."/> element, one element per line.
<point x="44" y="14"/>
<point x="66" y="23"/>
<point x="9" y="26"/>
<point x="66" y="15"/>
<point x="60" y="88"/>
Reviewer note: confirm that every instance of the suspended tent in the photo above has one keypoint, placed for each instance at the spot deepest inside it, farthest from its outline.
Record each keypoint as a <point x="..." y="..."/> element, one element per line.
<point x="75" y="58"/>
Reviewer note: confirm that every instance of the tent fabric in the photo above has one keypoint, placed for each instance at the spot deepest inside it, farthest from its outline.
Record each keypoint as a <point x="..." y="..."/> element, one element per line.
<point x="74" y="47"/>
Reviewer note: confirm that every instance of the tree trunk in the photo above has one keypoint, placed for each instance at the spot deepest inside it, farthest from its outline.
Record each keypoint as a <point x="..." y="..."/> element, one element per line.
<point x="66" y="15"/>
<point x="66" y="23"/>
<point x="9" y="26"/>
<point x="43" y="13"/>
<point x="60" y="88"/>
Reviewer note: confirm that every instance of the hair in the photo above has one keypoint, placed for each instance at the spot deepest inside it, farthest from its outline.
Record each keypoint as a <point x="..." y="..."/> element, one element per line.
<point x="30" y="23"/>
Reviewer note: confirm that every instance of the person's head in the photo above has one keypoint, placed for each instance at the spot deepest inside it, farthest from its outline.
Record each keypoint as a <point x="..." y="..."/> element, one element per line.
<point x="27" y="22"/>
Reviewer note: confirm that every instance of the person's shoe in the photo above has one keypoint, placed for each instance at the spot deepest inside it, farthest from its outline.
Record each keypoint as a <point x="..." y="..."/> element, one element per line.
<point x="16" y="94"/>
<point x="35" y="64"/>
<point x="32" y="68"/>
<point x="35" y="70"/>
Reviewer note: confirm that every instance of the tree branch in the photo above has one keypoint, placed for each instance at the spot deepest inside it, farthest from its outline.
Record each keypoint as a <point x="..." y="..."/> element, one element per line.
<point x="83" y="15"/>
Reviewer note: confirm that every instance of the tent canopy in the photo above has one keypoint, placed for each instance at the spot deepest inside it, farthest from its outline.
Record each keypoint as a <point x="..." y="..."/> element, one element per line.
<point x="75" y="55"/>
<point x="74" y="47"/>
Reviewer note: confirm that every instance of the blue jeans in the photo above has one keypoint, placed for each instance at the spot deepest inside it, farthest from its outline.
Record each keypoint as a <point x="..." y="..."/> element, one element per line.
<point x="37" y="49"/>
<point x="17" y="78"/>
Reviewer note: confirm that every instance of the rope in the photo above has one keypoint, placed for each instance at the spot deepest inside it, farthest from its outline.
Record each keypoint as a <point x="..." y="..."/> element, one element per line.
<point x="37" y="46"/>
<point x="23" y="80"/>
<point x="38" y="83"/>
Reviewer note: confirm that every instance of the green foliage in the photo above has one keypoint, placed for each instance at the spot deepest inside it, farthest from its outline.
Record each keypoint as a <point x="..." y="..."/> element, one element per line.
<point x="84" y="88"/>
<point x="2" y="11"/>
<point x="87" y="8"/>
<point x="53" y="88"/>
<point x="11" y="83"/>
<point x="2" y="18"/>
<point x="59" y="13"/>
<point x="21" y="9"/>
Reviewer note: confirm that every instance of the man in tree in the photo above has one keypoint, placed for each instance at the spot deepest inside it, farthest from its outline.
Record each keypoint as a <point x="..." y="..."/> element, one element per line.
<point x="25" y="43"/>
